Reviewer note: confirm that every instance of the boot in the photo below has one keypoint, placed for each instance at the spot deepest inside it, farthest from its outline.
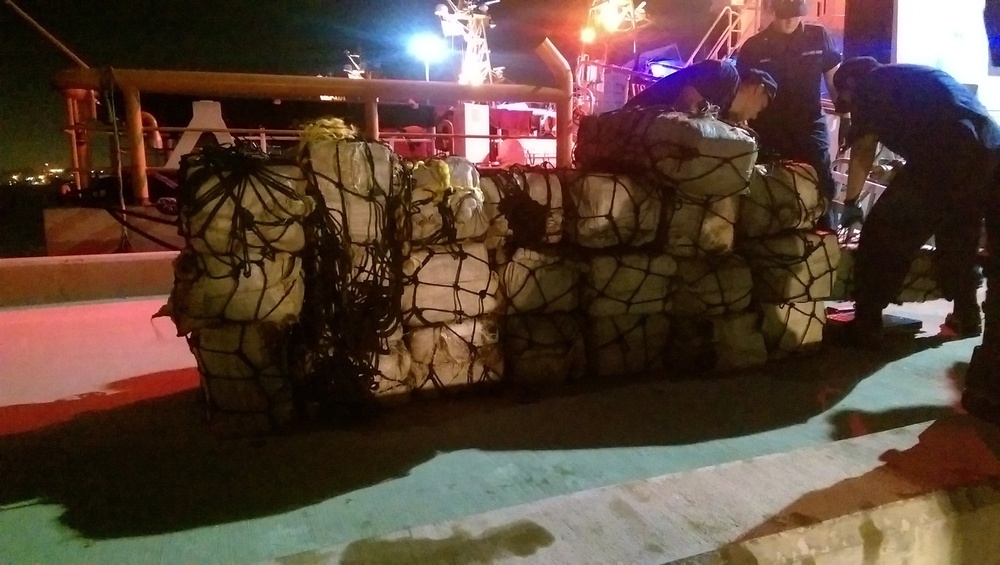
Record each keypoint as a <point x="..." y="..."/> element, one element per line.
<point x="863" y="332"/>
<point x="981" y="397"/>
<point x="965" y="319"/>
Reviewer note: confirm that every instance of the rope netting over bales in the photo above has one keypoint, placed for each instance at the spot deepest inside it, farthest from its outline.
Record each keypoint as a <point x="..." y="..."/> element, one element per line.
<point x="353" y="265"/>
<point x="700" y="155"/>
<point x="524" y="206"/>
<point x="782" y="196"/>
<point x="608" y="210"/>
<point x="796" y="266"/>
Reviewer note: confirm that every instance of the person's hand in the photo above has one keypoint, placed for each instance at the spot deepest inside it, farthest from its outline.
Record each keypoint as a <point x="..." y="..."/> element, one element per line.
<point x="852" y="214"/>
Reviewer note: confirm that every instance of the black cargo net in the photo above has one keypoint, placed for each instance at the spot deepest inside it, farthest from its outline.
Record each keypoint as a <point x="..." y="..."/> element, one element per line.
<point x="792" y="328"/>
<point x="712" y="286"/>
<point x="446" y="283"/>
<point x="446" y="208"/>
<point x="624" y="141"/>
<point x="524" y="205"/>
<point x="454" y="356"/>
<point x="797" y="266"/>
<point x="626" y="344"/>
<point x="543" y="348"/>
<point x="697" y="226"/>
<point x="607" y="210"/>
<point x="245" y="374"/>
<point x="782" y="196"/>
<point x="540" y="282"/>
<point x="353" y="265"/>
<point x="630" y="283"/>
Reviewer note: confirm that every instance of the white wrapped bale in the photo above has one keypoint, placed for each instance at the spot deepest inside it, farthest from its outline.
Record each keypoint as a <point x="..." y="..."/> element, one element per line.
<point x="631" y="283"/>
<point x="444" y="284"/>
<point x="250" y="214"/>
<point x="712" y="286"/>
<point x="700" y="226"/>
<point x="447" y="203"/>
<point x="793" y="267"/>
<point x="208" y="289"/>
<point x="355" y="179"/>
<point x="721" y="343"/>
<point x="700" y="155"/>
<point x="244" y="370"/>
<point x="793" y="328"/>
<point x="920" y="285"/>
<point x="535" y="282"/>
<point x="524" y="206"/>
<point x="610" y="210"/>
<point x="392" y="372"/>
<point x="455" y="355"/>
<point x="543" y="349"/>
<point x="782" y="196"/>
<point x="619" y="345"/>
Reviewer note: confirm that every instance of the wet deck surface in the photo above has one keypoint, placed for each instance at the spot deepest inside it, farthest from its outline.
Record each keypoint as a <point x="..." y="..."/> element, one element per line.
<point x="105" y="457"/>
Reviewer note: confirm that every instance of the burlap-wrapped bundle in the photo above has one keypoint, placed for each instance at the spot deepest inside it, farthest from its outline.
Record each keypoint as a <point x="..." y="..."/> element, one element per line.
<point x="712" y="286"/>
<point x="782" y="196"/>
<point x="536" y="282"/>
<point x="208" y="289"/>
<point x="700" y="155"/>
<point x="699" y="226"/>
<point x="455" y="355"/>
<point x="631" y="283"/>
<point x="793" y="328"/>
<point x="244" y="371"/>
<point x="606" y="210"/>
<point x="920" y="285"/>
<point x="447" y="204"/>
<point x="797" y="266"/>
<point x="392" y="370"/>
<point x="447" y="283"/>
<point x="524" y="206"/>
<point x="619" y="345"/>
<point x="543" y="349"/>
<point x="356" y="179"/>
<point x="721" y="343"/>
<point x="251" y="211"/>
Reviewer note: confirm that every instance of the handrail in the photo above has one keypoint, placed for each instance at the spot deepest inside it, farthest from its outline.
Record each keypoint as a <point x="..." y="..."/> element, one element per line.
<point x="694" y="54"/>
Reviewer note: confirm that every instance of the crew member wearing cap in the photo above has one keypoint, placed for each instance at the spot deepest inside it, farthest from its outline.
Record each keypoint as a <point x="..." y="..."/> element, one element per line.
<point x="799" y="56"/>
<point x="948" y="184"/>
<point x="740" y="96"/>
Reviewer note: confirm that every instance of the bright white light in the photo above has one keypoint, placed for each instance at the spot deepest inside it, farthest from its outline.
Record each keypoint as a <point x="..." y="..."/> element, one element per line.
<point x="588" y="35"/>
<point x="428" y="48"/>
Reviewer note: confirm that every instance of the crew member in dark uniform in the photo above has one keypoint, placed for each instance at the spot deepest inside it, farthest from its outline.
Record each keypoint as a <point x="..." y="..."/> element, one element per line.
<point x="740" y="96"/>
<point x="949" y="183"/>
<point x="799" y="56"/>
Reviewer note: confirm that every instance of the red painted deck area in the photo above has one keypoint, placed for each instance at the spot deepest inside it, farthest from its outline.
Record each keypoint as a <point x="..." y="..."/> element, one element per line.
<point x="59" y="361"/>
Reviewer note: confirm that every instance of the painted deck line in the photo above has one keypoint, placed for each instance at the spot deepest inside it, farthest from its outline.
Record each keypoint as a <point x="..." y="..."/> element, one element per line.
<point x="925" y="493"/>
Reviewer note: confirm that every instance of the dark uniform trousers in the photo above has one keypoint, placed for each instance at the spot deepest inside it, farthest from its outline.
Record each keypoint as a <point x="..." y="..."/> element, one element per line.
<point x="810" y="145"/>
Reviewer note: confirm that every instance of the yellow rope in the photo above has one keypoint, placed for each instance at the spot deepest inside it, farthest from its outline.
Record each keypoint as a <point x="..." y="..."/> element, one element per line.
<point x="327" y="129"/>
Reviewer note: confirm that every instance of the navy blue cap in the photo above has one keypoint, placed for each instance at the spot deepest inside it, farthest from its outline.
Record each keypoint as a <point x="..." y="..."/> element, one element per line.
<point x="854" y="68"/>
<point x="784" y="9"/>
<point x="757" y="76"/>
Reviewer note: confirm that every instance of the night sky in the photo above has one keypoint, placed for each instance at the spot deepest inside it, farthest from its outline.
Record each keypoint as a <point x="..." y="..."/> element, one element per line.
<point x="266" y="36"/>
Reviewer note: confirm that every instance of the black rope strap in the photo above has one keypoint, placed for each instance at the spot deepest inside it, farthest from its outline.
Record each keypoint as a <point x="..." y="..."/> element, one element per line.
<point x="796" y="266"/>
<point x="455" y="356"/>
<point x="712" y="286"/>
<point x="524" y="206"/>
<point x="697" y="226"/>
<point x="123" y="217"/>
<point x="700" y="155"/>
<point x="607" y="210"/>
<point x="631" y="283"/>
<point x="447" y="283"/>
<point x="447" y="204"/>
<point x="618" y="345"/>
<point x="782" y="196"/>
<point x="792" y="328"/>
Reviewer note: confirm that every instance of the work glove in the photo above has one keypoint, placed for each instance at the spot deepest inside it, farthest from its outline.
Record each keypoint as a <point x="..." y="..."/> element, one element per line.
<point x="852" y="214"/>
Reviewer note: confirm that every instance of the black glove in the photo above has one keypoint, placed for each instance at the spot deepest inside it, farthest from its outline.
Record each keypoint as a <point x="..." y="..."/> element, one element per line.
<point x="851" y="214"/>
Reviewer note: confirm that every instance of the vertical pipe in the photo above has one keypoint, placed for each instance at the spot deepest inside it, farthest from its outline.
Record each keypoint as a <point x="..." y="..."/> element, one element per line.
<point x="137" y="146"/>
<point x="564" y="108"/>
<point x="72" y="115"/>
<point x="371" y="118"/>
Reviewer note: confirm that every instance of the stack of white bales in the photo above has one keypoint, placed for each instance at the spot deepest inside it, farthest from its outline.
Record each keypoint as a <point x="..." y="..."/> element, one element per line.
<point x="238" y="284"/>
<point x="541" y="331"/>
<point x="364" y="190"/>
<point x="794" y="265"/>
<point x="696" y="168"/>
<point x="451" y="293"/>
